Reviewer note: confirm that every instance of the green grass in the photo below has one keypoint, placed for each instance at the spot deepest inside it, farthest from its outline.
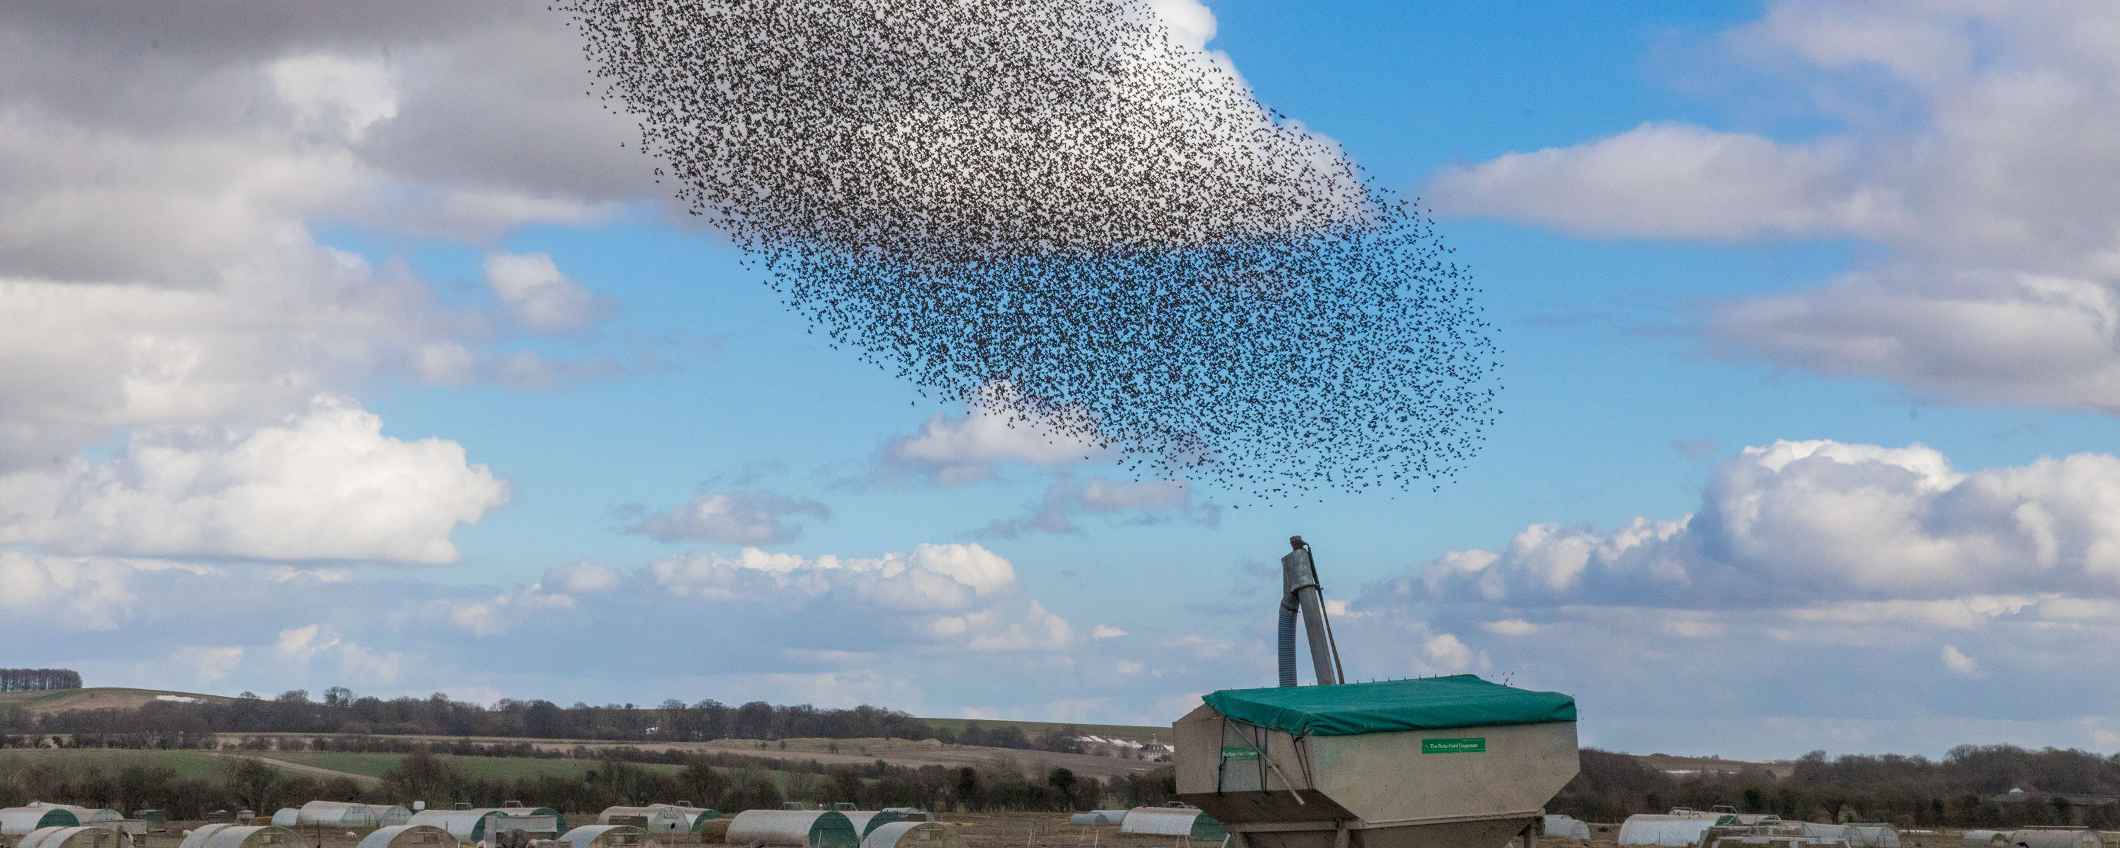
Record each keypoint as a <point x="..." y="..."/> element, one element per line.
<point x="185" y="763"/>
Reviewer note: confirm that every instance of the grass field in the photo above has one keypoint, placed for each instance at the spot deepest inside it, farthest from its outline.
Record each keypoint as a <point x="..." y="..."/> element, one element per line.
<point x="199" y="764"/>
<point x="1130" y="732"/>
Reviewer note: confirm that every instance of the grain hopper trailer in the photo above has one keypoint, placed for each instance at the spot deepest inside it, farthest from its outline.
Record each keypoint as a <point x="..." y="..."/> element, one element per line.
<point x="1441" y="762"/>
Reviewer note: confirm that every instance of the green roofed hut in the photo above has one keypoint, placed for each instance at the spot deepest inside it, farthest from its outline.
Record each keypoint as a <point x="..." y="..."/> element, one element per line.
<point x="866" y="823"/>
<point x="792" y="829"/>
<point x="696" y="818"/>
<point x="22" y="821"/>
<point x="1439" y="762"/>
<point x="1185" y="822"/>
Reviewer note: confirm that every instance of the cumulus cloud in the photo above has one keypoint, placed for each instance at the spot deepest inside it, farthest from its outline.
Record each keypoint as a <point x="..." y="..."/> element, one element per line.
<point x="536" y="294"/>
<point x="208" y="664"/>
<point x="1509" y="627"/>
<point x="1967" y="140"/>
<point x="735" y="518"/>
<point x="503" y="612"/>
<point x="951" y="450"/>
<point x="1135" y="502"/>
<point x="1958" y="663"/>
<point x="931" y="577"/>
<point x="71" y="593"/>
<point x="582" y="579"/>
<point x="1448" y="653"/>
<point x="324" y="484"/>
<point x="1782" y="523"/>
<point x="1106" y="631"/>
<point x="159" y="260"/>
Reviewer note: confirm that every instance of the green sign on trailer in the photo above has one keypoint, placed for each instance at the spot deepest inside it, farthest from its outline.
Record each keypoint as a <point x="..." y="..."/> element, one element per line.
<point x="1460" y="745"/>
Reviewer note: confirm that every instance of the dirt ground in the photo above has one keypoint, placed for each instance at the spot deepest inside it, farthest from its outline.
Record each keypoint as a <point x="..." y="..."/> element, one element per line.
<point x="979" y="830"/>
<point x="982" y="830"/>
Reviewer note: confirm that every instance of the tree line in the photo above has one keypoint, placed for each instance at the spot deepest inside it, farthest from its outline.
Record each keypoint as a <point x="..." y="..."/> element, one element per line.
<point x="340" y="711"/>
<point x="38" y="679"/>
<point x="1967" y="788"/>
<point x="246" y="783"/>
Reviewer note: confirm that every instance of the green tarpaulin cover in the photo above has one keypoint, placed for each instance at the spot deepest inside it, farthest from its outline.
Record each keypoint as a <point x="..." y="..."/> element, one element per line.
<point x="1432" y="703"/>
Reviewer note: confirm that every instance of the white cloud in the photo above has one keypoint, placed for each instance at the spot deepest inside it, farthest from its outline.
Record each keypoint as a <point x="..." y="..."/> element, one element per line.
<point x="1967" y="140"/>
<point x="536" y="294"/>
<point x="209" y="664"/>
<point x="1137" y="502"/>
<point x="932" y="577"/>
<point x="1448" y="653"/>
<point x="1673" y="181"/>
<point x="1106" y="631"/>
<point x="1958" y="663"/>
<point x="1787" y="523"/>
<point x="503" y="612"/>
<point x="302" y="643"/>
<point x="1509" y="627"/>
<point x="582" y="579"/>
<point x="968" y="448"/>
<point x="1031" y="628"/>
<point x="324" y="484"/>
<point x="735" y="518"/>
<point x="70" y="593"/>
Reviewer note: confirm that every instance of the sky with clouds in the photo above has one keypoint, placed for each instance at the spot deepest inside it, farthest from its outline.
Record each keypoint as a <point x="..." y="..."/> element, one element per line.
<point x="351" y="344"/>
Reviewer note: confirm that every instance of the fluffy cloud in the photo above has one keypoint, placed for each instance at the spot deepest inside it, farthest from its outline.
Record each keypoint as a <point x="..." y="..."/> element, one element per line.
<point x="932" y="577"/>
<point x="951" y="450"/>
<point x="536" y="294"/>
<point x="502" y="612"/>
<point x="1782" y="523"/>
<point x="1967" y="140"/>
<point x="70" y="593"/>
<point x="158" y="256"/>
<point x="325" y="484"/>
<point x="582" y="579"/>
<point x="1138" y="502"/>
<point x="735" y="518"/>
<point x="1958" y="663"/>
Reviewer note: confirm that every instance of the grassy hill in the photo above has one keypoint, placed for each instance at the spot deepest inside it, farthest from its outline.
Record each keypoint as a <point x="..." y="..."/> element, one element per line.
<point x="96" y="698"/>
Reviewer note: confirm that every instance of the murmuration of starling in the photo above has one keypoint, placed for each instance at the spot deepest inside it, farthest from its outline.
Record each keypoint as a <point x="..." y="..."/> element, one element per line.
<point x="1061" y="211"/>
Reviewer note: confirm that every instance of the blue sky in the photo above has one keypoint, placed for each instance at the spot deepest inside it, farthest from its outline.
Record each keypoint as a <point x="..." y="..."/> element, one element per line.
<point x="1807" y="309"/>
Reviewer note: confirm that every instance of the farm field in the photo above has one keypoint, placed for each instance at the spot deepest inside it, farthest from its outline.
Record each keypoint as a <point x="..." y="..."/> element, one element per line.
<point x="1129" y="732"/>
<point x="860" y="751"/>
<point x="484" y="768"/>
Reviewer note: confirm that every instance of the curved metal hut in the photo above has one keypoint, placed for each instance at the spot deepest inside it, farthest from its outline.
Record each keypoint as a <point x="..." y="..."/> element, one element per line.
<point x="1172" y="821"/>
<point x="22" y="821"/>
<point x="73" y="837"/>
<point x="242" y="836"/>
<point x="408" y="836"/>
<point x="651" y="819"/>
<point x="793" y="829"/>
<point x="606" y="836"/>
<point x="912" y="834"/>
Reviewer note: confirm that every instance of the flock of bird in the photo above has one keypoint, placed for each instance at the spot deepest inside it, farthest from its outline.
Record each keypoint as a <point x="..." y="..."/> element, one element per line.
<point x="1063" y="211"/>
